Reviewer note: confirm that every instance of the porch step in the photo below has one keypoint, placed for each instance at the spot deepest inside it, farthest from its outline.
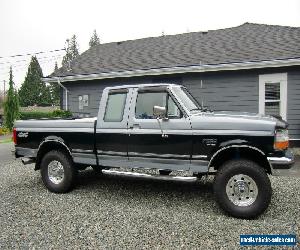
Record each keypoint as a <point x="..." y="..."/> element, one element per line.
<point x="150" y="176"/>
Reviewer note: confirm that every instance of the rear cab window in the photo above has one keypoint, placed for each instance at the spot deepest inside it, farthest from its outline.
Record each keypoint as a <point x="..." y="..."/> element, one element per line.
<point x="115" y="106"/>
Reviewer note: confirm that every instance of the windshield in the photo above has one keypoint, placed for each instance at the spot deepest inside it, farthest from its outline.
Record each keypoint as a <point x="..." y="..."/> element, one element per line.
<point x="188" y="100"/>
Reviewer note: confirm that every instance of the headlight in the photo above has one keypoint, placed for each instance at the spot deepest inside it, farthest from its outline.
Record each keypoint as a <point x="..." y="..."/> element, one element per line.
<point x="281" y="139"/>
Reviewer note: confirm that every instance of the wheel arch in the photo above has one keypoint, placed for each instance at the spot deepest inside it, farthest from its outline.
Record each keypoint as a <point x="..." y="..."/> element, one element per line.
<point x="238" y="151"/>
<point x="48" y="144"/>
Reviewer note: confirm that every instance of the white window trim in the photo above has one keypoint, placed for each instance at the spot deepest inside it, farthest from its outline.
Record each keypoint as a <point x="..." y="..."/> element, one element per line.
<point x="274" y="78"/>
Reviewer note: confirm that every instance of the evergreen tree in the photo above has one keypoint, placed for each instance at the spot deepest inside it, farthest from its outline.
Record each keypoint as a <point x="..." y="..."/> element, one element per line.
<point x="33" y="91"/>
<point x="71" y="52"/>
<point x="11" y="105"/>
<point x="95" y="40"/>
<point x="55" y="67"/>
<point x="55" y="90"/>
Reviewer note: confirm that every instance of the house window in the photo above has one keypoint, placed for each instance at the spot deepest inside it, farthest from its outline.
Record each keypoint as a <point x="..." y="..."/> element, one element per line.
<point x="83" y="101"/>
<point x="273" y="95"/>
<point x="80" y="102"/>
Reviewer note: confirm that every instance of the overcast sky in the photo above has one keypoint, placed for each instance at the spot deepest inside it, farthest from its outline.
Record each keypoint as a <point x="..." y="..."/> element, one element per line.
<point x="33" y="25"/>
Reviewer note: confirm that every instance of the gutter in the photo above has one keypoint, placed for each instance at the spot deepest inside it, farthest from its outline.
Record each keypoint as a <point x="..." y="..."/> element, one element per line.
<point x="59" y="83"/>
<point x="180" y="70"/>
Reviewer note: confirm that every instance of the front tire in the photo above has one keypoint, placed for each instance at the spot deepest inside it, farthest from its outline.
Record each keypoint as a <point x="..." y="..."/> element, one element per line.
<point x="57" y="171"/>
<point x="242" y="189"/>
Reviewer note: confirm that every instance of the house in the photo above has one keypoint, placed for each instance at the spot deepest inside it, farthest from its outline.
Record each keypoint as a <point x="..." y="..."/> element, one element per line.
<point x="251" y="67"/>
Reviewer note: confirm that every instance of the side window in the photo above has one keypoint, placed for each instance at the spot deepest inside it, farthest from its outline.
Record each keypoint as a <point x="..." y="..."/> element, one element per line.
<point x="146" y="101"/>
<point x="115" y="107"/>
<point x="173" y="110"/>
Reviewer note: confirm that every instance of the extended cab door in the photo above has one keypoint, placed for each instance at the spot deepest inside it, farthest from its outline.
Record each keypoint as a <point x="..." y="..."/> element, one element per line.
<point x="111" y="129"/>
<point x="164" y="145"/>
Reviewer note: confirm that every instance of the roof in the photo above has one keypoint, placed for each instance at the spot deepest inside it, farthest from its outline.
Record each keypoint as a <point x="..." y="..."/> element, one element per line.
<point x="248" y="43"/>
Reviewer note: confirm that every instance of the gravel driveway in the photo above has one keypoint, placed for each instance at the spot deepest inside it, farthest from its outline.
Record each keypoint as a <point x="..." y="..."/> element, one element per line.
<point x="124" y="212"/>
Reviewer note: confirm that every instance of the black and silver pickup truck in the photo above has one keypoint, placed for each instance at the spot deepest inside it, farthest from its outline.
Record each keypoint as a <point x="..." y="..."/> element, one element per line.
<point x="162" y="127"/>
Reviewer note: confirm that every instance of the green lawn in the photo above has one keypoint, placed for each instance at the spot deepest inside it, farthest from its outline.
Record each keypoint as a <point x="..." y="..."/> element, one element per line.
<point x="6" y="140"/>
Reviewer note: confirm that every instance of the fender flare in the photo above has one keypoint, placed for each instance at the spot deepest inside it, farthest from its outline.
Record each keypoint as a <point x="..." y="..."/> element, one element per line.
<point x="50" y="139"/>
<point x="238" y="146"/>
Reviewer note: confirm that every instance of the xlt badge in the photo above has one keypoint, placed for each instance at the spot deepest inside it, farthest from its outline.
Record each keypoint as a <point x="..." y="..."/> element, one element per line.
<point x="210" y="142"/>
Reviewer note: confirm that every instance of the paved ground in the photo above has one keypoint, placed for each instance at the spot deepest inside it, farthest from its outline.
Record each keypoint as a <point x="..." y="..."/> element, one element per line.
<point x="122" y="212"/>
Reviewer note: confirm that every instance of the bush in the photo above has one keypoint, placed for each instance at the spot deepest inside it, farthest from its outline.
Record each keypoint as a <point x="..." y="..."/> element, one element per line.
<point x="49" y="115"/>
<point x="62" y="113"/>
<point x="4" y="131"/>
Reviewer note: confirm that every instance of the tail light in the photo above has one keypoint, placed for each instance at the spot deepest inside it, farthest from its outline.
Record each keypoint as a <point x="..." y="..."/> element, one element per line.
<point x="281" y="139"/>
<point x="15" y="136"/>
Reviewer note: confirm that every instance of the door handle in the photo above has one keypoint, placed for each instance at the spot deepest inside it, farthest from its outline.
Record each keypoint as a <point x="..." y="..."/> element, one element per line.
<point x="135" y="125"/>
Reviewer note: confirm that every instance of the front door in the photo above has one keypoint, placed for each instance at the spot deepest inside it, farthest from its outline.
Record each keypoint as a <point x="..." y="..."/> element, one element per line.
<point x="164" y="143"/>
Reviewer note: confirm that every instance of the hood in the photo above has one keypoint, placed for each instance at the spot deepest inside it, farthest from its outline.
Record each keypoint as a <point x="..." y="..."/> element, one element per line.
<point x="238" y="122"/>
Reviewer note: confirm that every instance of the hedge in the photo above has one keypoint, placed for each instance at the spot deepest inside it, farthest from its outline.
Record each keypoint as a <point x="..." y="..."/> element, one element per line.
<point x="49" y="115"/>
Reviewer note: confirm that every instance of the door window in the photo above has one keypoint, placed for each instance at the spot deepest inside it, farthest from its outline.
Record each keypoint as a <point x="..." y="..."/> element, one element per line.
<point x="173" y="110"/>
<point x="147" y="100"/>
<point x="115" y="107"/>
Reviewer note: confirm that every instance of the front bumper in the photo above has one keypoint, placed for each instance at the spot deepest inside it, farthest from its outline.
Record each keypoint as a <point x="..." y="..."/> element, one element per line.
<point x="285" y="161"/>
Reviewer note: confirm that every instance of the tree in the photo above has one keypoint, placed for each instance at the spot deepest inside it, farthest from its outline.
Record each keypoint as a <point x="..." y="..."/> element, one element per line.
<point x="72" y="52"/>
<point x="95" y="40"/>
<point x="55" y="90"/>
<point x="11" y="105"/>
<point x="55" y="67"/>
<point x="33" y="91"/>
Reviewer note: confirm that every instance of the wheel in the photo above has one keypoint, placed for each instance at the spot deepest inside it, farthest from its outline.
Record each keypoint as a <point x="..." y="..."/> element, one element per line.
<point x="58" y="173"/>
<point x="164" y="172"/>
<point x="242" y="189"/>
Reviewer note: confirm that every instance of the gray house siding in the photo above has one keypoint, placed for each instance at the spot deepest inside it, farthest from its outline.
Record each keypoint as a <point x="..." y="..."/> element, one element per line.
<point x="231" y="90"/>
<point x="293" y="103"/>
<point x="225" y="91"/>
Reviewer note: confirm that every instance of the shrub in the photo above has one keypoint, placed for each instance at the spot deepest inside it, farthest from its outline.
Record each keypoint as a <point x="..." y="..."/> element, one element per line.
<point x="39" y="115"/>
<point x="4" y="131"/>
<point x="62" y="113"/>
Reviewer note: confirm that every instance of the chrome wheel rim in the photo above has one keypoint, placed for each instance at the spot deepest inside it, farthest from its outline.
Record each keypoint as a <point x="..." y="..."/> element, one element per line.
<point x="241" y="190"/>
<point x="56" y="172"/>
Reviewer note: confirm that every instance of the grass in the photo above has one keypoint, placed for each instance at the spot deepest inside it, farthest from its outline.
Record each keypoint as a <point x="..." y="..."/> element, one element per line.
<point x="6" y="140"/>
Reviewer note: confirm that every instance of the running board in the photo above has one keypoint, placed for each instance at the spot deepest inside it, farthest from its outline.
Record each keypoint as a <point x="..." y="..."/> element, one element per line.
<point x="150" y="176"/>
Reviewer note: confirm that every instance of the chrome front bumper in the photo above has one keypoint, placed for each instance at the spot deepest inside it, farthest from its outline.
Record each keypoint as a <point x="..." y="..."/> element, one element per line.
<point x="282" y="165"/>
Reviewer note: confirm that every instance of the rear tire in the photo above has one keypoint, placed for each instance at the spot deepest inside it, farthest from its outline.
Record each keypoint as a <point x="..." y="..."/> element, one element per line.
<point x="242" y="189"/>
<point x="57" y="171"/>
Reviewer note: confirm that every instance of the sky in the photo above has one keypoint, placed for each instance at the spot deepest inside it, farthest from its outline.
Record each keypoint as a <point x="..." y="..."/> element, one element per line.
<point x="31" y="26"/>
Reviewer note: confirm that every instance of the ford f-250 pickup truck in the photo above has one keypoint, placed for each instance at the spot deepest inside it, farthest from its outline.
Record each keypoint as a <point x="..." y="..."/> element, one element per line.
<point x="161" y="126"/>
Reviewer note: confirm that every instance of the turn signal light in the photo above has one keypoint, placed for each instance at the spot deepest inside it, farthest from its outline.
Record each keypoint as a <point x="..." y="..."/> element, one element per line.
<point x="282" y="145"/>
<point x="281" y="140"/>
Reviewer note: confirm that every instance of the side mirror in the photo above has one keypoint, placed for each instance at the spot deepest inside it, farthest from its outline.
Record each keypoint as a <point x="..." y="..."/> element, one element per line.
<point x="159" y="112"/>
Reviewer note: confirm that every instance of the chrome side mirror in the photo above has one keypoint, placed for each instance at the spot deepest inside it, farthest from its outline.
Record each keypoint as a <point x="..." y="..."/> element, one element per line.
<point x="159" y="112"/>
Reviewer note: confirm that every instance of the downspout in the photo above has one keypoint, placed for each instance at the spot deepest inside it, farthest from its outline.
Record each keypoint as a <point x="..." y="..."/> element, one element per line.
<point x="66" y="90"/>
